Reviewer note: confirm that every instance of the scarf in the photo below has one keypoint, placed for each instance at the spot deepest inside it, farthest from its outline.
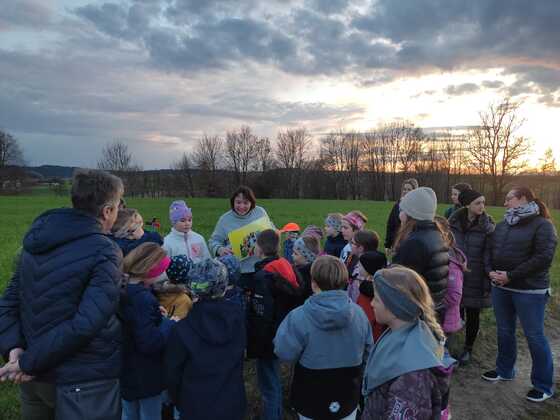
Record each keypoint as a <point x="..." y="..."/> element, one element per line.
<point x="515" y="215"/>
<point x="410" y="348"/>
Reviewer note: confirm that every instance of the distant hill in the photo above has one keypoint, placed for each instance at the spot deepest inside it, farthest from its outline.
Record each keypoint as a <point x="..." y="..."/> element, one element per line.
<point x="53" y="171"/>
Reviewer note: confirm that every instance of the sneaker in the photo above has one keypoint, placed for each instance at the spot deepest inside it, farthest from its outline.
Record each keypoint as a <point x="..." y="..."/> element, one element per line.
<point x="537" y="396"/>
<point x="493" y="376"/>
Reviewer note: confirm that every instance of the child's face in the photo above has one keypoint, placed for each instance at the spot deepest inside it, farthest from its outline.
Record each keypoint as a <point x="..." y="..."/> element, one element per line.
<point x="298" y="258"/>
<point x="455" y="195"/>
<point x="356" y="250"/>
<point x="139" y="231"/>
<point x="382" y="314"/>
<point x="346" y="230"/>
<point x="258" y="251"/>
<point x="330" y="231"/>
<point x="184" y="225"/>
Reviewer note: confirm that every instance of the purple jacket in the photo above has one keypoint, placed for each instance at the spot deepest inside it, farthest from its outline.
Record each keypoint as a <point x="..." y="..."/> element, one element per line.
<point x="457" y="264"/>
<point x="418" y="395"/>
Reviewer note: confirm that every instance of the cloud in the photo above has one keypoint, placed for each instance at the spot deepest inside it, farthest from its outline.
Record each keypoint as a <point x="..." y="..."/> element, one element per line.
<point x="462" y="89"/>
<point x="493" y="84"/>
<point x="24" y="14"/>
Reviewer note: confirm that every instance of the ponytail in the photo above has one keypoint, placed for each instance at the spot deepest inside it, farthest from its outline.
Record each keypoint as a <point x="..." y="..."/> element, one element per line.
<point x="522" y="191"/>
<point x="543" y="209"/>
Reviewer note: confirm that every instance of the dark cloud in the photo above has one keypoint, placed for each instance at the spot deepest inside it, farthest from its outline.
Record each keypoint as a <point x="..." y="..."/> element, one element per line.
<point x="462" y="89"/>
<point x="24" y="14"/>
<point x="492" y="84"/>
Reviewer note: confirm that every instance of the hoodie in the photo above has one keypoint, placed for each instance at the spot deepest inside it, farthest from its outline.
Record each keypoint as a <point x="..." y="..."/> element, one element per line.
<point x="64" y="303"/>
<point x="329" y="338"/>
<point x="204" y="362"/>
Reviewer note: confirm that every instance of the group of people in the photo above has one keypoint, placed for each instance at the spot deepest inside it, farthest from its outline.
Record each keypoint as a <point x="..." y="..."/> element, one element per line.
<point x="105" y="320"/>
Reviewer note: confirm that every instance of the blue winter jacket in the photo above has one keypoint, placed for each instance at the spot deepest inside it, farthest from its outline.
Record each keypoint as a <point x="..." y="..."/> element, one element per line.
<point x="62" y="301"/>
<point x="145" y="334"/>
<point x="128" y="245"/>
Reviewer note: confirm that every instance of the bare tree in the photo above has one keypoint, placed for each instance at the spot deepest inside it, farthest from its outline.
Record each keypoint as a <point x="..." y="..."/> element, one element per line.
<point x="264" y="156"/>
<point x="292" y="152"/>
<point x="116" y="157"/>
<point x="547" y="163"/>
<point x="208" y="155"/>
<point x="184" y="167"/>
<point x="240" y="152"/>
<point x="495" y="148"/>
<point x="10" y="151"/>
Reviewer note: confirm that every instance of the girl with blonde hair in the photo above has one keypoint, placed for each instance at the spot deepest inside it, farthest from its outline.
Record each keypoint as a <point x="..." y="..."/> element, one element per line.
<point x="405" y="371"/>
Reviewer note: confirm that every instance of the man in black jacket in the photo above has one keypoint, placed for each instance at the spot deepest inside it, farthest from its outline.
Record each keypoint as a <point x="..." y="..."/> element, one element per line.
<point x="58" y="324"/>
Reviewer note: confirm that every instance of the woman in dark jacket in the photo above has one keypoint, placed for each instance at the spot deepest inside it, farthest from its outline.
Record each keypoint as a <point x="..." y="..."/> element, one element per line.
<point x="420" y="244"/>
<point x="472" y="227"/>
<point x="394" y="223"/>
<point x="523" y="247"/>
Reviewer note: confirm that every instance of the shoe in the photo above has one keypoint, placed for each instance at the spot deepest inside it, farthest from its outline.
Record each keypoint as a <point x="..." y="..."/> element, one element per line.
<point x="492" y="376"/>
<point x="465" y="358"/>
<point x="537" y="396"/>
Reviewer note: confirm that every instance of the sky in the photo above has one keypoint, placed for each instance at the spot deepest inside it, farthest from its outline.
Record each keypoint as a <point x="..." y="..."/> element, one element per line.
<point x="158" y="74"/>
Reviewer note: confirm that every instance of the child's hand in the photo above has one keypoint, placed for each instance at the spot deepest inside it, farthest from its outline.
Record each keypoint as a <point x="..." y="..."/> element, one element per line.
<point x="224" y="251"/>
<point x="163" y="311"/>
<point x="175" y="318"/>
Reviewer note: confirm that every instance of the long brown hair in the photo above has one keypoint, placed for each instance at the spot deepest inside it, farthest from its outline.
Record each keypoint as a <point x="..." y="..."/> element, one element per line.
<point x="523" y="191"/>
<point x="410" y="283"/>
<point x="142" y="259"/>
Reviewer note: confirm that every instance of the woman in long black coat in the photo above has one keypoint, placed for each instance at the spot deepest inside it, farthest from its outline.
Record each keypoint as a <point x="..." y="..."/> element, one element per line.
<point x="472" y="227"/>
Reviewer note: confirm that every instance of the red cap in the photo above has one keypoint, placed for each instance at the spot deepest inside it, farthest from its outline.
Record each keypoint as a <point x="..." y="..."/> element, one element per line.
<point x="290" y="227"/>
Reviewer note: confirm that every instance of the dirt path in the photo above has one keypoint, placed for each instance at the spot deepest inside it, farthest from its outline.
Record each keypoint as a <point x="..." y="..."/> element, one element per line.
<point x="474" y="398"/>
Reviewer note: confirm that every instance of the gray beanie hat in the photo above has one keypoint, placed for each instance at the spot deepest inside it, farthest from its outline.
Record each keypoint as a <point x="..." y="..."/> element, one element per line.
<point x="420" y="204"/>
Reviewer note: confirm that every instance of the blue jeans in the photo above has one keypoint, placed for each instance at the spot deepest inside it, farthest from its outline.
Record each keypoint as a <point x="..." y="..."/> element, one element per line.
<point x="144" y="409"/>
<point x="529" y="308"/>
<point x="268" y="374"/>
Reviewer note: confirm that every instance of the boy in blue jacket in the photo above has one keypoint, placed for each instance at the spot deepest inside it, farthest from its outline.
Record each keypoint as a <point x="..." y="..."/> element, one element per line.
<point x="328" y="338"/>
<point x="204" y="356"/>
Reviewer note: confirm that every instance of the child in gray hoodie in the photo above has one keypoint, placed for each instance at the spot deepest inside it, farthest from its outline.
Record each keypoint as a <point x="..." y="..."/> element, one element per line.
<point x="328" y="338"/>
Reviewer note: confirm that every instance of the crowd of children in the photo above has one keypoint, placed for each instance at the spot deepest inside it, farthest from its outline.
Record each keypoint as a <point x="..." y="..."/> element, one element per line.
<point x="363" y="338"/>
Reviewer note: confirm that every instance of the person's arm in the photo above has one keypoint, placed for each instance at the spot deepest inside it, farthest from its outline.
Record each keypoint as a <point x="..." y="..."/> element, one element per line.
<point x="487" y="264"/>
<point x="99" y="302"/>
<point x="289" y="341"/>
<point x="11" y="336"/>
<point x="545" y="242"/>
<point x="176" y="356"/>
<point x="204" y="248"/>
<point x="149" y="329"/>
<point x="218" y="239"/>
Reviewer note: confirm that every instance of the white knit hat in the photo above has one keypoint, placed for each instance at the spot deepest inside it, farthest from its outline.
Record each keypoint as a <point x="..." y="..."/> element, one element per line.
<point x="420" y="204"/>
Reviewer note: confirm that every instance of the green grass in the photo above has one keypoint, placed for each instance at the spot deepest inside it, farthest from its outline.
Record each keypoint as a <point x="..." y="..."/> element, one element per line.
<point x="18" y="212"/>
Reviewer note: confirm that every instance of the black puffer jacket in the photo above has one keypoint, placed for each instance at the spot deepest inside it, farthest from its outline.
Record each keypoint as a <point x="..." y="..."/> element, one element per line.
<point x="425" y="252"/>
<point x="473" y="239"/>
<point x="64" y="299"/>
<point x="525" y="251"/>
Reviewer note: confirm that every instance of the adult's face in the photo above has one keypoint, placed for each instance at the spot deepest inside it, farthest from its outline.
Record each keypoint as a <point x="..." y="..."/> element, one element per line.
<point x="455" y="196"/>
<point x="513" y="202"/>
<point x="476" y="208"/>
<point x="406" y="188"/>
<point x="241" y="205"/>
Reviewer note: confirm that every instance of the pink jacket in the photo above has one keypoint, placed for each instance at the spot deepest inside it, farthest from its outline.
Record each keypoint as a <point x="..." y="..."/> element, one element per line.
<point x="457" y="265"/>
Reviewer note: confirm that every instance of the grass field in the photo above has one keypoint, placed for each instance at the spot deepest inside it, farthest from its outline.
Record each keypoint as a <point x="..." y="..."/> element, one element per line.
<point x="18" y="213"/>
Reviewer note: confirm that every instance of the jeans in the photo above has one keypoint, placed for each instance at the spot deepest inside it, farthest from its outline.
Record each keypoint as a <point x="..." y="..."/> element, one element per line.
<point x="37" y="400"/>
<point x="529" y="308"/>
<point x="144" y="409"/>
<point x="268" y="374"/>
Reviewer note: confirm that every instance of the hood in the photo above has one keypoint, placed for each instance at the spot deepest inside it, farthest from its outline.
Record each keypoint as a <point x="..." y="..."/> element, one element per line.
<point x="282" y="267"/>
<point x="215" y="321"/>
<point x="58" y="227"/>
<point x="330" y="310"/>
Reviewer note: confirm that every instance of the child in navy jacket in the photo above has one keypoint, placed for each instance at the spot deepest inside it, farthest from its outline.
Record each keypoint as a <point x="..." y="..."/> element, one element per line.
<point x="128" y="231"/>
<point x="146" y="331"/>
